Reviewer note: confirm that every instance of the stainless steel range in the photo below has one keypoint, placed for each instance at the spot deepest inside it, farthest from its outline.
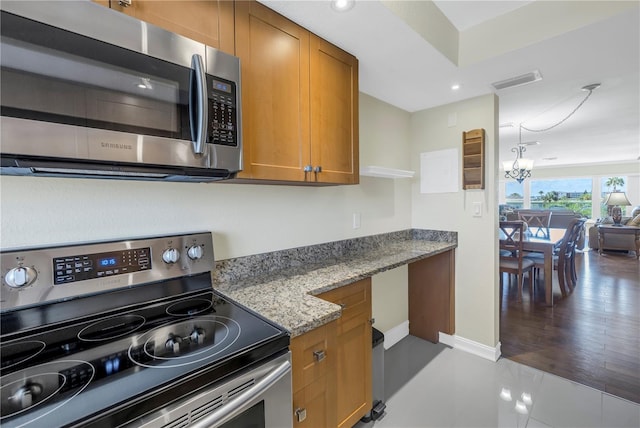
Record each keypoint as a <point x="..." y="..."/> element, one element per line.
<point x="131" y="333"/>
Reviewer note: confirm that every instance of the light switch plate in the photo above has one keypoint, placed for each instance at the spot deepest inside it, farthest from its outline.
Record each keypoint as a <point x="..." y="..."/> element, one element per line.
<point x="356" y="220"/>
<point x="477" y="209"/>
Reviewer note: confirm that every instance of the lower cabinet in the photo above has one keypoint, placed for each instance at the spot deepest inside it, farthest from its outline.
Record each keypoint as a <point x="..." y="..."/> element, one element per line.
<point x="353" y="354"/>
<point x="314" y="381"/>
<point x="332" y="364"/>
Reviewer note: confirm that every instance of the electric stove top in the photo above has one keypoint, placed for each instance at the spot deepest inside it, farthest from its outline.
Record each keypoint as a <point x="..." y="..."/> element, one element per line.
<point x="80" y="360"/>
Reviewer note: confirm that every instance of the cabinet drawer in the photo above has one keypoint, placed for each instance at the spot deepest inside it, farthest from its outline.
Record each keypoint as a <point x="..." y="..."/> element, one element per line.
<point x="312" y="355"/>
<point x="355" y="301"/>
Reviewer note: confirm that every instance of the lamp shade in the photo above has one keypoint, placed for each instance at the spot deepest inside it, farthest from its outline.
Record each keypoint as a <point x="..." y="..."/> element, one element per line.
<point x="520" y="163"/>
<point x="617" y="198"/>
<point x="525" y="163"/>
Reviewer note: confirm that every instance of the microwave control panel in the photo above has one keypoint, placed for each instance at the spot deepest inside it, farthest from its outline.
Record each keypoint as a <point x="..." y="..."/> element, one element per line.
<point x="223" y="113"/>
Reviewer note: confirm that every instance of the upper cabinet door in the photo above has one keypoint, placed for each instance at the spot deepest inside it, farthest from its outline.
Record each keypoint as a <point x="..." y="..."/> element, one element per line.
<point x="209" y="22"/>
<point x="334" y="113"/>
<point x="274" y="54"/>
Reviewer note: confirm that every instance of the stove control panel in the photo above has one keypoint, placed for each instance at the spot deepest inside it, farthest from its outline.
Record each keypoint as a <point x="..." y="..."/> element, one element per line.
<point x="34" y="276"/>
<point x="88" y="266"/>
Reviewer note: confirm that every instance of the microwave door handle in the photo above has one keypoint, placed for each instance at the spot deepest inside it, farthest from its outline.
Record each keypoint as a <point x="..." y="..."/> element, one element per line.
<point x="199" y="111"/>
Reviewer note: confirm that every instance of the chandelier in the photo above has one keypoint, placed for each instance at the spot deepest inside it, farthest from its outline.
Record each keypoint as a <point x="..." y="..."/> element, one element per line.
<point x="520" y="168"/>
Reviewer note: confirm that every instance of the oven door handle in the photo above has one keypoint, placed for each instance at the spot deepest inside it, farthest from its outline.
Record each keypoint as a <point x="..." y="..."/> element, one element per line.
<point x="238" y="404"/>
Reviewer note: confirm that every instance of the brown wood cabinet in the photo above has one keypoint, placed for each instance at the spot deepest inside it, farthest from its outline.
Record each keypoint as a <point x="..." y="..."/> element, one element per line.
<point x="353" y="396"/>
<point x="432" y="296"/>
<point x="313" y="358"/>
<point x="210" y="22"/>
<point x="334" y="113"/>
<point x="299" y="101"/>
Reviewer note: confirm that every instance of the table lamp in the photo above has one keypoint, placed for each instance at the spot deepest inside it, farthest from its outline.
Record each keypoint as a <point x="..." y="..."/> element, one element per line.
<point x="616" y="199"/>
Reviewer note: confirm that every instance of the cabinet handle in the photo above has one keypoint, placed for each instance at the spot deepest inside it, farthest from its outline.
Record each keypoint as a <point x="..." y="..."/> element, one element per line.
<point x="124" y="3"/>
<point x="372" y="320"/>
<point x="319" y="355"/>
<point x="317" y="169"/>
<point x="306" y="169"/>
<point x="301" y="414"/>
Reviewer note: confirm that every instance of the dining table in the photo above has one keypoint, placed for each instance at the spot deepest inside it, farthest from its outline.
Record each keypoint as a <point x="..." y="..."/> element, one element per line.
<point x="545" y="246"/>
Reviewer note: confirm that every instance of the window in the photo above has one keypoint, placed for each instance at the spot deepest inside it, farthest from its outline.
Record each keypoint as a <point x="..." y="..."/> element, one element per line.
<point x="572" y="194"/>
<point x="514" y="194"/>
<point x="607" y="185"/>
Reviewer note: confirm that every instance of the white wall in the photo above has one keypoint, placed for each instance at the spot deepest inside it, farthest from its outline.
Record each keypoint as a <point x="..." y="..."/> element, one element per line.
<point x="246" y="219"/>
<point x="390" y="298"/>
<point x="476" y="256"/>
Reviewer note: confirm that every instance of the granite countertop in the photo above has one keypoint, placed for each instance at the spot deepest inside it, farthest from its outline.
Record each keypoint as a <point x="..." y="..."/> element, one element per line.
<point x="281" y="285"/>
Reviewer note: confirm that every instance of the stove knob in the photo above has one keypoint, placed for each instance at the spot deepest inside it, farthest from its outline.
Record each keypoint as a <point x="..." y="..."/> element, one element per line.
<point x="171" y="255"/>
<point x="195" y="252"/>
<point x="197" y="336"/>
<point x="20" y="277"/>
<point x="173" y="344"/>
<point x="25" y="395"/>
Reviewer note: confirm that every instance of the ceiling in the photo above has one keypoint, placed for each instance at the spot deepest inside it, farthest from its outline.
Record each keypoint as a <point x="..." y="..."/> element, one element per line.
<point x="572" y="44"/>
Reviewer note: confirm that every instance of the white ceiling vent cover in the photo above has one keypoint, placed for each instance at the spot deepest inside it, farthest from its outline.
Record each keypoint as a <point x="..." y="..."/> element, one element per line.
<point x="523" y="79"/>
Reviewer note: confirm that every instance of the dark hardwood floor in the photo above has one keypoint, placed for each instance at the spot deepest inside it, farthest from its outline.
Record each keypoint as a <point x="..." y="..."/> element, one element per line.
<point x="592" y="336"/>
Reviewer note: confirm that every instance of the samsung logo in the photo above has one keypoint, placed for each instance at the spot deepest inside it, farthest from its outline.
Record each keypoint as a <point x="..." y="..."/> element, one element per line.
<point x="116" y="146"/>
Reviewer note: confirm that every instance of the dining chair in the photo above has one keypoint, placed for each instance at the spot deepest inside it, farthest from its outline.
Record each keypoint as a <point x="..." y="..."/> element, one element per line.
<point x="512" y="261"/>
<point x="538" y="221"/>
<point x="564" y="253"/>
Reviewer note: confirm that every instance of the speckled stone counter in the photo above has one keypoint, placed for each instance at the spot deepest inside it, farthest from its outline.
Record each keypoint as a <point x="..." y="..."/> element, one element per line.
<point x="281" y="285"/>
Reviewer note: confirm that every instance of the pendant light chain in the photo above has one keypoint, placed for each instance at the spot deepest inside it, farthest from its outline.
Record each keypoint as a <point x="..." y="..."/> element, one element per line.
<point x="563" y="120"/>
<point x="521" y="167"/>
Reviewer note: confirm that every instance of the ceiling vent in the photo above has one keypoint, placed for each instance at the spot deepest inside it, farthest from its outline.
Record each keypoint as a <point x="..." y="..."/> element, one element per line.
<point x="531" y="77"/>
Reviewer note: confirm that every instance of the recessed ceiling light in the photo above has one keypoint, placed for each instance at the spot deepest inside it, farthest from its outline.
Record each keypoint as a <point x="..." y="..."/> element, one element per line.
<point x="455" y="87"/>
<point x="342" y="5"/>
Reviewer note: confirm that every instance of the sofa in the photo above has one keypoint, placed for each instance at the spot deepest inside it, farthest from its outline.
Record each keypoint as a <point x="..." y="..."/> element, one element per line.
<point x="559" y="219"/>
<point x="614" y="242"/>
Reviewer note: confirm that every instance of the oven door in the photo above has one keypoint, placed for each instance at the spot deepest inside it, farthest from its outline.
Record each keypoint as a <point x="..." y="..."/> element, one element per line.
<point x="260" y="397"/>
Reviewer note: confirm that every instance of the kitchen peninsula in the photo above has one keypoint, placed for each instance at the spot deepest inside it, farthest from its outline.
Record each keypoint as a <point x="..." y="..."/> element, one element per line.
<point x="322" y="295"/>
<point x="282" y="285"/>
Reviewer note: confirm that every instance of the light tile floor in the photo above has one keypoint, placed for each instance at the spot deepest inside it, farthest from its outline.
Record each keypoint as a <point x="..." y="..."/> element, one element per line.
<point x="429" y="385"/>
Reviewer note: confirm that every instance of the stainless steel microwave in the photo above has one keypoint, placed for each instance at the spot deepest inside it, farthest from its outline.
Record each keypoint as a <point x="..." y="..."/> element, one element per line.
<point x="90" y="92"/>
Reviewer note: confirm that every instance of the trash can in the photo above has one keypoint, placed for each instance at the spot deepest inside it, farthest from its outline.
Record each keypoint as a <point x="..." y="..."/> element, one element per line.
<point x="377" y="383"/>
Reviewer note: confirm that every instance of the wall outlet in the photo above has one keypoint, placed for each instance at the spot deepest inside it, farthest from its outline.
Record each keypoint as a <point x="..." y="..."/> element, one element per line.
<point x="356" y="220"/>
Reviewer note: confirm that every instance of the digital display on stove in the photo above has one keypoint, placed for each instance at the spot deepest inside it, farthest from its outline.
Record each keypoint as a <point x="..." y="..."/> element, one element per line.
<point x="83" y="267"/>
<point x="110" y="261"/>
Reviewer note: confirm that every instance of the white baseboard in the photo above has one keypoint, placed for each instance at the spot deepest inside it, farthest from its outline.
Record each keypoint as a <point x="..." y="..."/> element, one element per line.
<point x="399" y="332"/>
<point x="470" y="346"/>
<point x="396" y="334"/>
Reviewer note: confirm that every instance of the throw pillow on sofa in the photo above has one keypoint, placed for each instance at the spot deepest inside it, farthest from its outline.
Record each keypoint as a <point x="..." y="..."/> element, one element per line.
<point x="634" y="221"/>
